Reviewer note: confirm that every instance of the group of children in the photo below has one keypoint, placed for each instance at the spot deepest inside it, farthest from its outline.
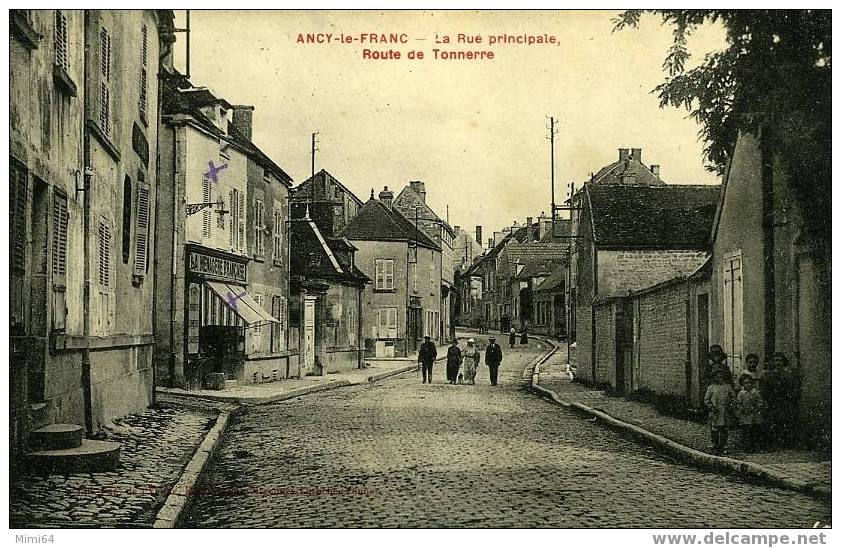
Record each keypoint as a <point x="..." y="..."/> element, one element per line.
<point x="765" y="407"/>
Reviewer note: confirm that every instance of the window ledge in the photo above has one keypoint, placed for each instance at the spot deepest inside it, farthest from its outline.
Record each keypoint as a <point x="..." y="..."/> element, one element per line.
<point x="63" y="81"/>
<point x="22" y="28"/>
<point x="109" y="146"/>
<point x="385" y="291"/>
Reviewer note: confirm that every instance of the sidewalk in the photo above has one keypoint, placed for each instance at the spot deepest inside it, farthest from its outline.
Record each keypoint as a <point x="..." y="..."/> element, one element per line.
<point x="806" y="470"/>
<point x="253" y="394"/>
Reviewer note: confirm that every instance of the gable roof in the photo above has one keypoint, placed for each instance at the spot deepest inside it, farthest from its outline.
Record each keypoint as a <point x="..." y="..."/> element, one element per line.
<point x="305" y="186"/>
<point x="258" y="155"/>
<point x="652" y="217"/>
<point x="532" y="254"/>
<point x="377" y="222"/>
<point x="315" y="257"/>
<point x="554" y="280"/>
<point x="408" y="198"/>
<point x="612" y="174"/>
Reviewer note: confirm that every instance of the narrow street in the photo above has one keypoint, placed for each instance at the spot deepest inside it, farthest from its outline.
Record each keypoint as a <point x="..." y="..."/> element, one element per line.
<point x="402" y="454"/>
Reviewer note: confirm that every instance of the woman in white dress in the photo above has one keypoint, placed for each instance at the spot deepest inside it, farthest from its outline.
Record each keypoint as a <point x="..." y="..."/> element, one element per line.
<point x="471" y="361"/>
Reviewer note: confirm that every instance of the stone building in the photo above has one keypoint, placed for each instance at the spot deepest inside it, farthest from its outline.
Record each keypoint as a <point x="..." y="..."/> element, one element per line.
<point x="218" y="272"/>
<point x="83" y="178"/>
<point x="411" y="202"/>
<point x="404" y="302"/>
<point x="330" y="203"/>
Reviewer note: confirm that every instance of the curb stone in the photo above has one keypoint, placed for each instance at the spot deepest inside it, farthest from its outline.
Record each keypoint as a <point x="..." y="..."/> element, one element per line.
<point x="744" y="469"/>
<point x="173" y="511"/>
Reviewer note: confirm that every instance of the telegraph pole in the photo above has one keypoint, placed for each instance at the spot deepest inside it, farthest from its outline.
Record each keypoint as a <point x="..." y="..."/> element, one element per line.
<point x="552" y="133"/>
<point x="312" y="170"/>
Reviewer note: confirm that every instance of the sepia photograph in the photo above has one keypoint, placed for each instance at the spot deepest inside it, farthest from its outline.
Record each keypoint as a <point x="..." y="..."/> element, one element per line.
<point x="428" y="268"/>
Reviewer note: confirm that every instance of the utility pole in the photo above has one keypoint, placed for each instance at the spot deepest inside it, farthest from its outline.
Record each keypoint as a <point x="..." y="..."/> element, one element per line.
<point x="312" y="170"/>
<point x="552" y="133"/>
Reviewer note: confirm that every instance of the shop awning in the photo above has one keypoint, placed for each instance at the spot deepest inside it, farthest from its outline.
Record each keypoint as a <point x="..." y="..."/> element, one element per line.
<point x="241" y="303"/>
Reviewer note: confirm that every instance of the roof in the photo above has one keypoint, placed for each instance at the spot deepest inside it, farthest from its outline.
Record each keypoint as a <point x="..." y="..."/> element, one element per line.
<point x="613" y="174"/>
<point x="536" y="268"/>
<point x="534" y="254"/>
<point x="560" y="233"/>
<point x="554" y="280"/>
<point x="377" y="222"/>
<point x="408" y="199"/>
<point x="176" y="101"/>
<point x="258" y="155"/>
<point x="314" y="256"/>
<point x="320" y="195"/>
<point x="653" y="217"/>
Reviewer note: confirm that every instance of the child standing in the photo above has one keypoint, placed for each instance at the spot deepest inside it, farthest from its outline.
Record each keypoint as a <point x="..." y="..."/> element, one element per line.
<point x="720" y="402"/>
<point x="749" y="407"/>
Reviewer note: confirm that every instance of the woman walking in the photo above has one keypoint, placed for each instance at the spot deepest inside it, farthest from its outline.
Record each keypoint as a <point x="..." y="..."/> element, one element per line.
<point x="471" y="361"/>
<point x="453" y="362"/>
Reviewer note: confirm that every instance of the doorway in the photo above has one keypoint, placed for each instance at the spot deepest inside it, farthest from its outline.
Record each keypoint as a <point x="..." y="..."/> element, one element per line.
<point x="309" y="335"/>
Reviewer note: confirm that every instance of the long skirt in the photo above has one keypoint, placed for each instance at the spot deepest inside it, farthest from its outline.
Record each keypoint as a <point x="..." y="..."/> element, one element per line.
<point x="469" y="370"/>
<point x="452" y="371"/>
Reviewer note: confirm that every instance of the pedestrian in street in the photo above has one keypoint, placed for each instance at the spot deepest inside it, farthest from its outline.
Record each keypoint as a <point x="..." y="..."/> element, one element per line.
<point x="749" y="407"/>
<point x="717" y="361"/>
<point x="720" y="402"/>
<point x="524" y="337"/>
<point x="493" y="357"/>
<point x="769" y="390"/>
<point x="512" y="338"/>
<point x="453" y="361"/>
<point x="426" y="357"/>
<point x="787" y="399"/>
<point x="471" y="361"/>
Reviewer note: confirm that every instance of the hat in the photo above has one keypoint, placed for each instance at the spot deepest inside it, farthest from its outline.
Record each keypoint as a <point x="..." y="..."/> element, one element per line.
<point x="491" y="338"/>
<point x="471" y="341"/>
<point x="426" y="337"/>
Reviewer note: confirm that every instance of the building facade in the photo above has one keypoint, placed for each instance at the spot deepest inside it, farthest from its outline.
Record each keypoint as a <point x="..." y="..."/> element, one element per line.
<point x="404" y="302"/>
<point x="214" y="288"/>
<point x="83" y="132"/>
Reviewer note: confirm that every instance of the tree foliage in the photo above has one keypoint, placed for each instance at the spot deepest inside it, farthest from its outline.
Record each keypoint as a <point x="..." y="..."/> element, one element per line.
<point x="774" y="76"/>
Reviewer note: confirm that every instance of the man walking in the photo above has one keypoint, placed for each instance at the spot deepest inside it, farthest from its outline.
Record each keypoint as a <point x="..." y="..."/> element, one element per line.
<point x="493" y="357"/>
<point x="426" y="357"/>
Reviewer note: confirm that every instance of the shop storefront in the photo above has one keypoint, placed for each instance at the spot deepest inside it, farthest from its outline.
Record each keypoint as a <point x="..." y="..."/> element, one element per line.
<point x="221" y="315"/>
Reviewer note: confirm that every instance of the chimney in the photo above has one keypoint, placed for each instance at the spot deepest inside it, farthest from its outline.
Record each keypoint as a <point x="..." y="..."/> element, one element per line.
<point x="386" y="196"/>
<point x="636" y="154"/>
<point x="655" y="169"/>
<point x="456" y="229"/>
<point x="529" y="230"/>
<point x="242" y="116"/>
<point x="544" y="225"/>
<point x="623" y="154"/>
<point x="490" y="243"/>
<point x="629" y="175"/>
<point x="479" y="234"/>
<point x="419" y="188"/>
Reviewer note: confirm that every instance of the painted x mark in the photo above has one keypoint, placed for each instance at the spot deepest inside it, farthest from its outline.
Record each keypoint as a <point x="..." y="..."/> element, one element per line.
<point x="213" y="173"/>
<point x="232" y="299"/>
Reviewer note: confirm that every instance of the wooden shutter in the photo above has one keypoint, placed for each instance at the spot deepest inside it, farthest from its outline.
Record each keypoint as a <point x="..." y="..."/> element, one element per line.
<point x="141" y="247"/>
<point x="59" y="257"/>
<point x="104" y="238"/>
<point x="17" y="220"/>
<point x="62" y="55"/>
<point x="241" y="224"/>
<point x="232" y="208"/>
<point x="389" y="274"/>
<point x="392" y="323"/>
<point x="380" y="273"/>
<point x="143" y="71"/>
<point x="105" y="81"/>
<point x="206" y="196"/>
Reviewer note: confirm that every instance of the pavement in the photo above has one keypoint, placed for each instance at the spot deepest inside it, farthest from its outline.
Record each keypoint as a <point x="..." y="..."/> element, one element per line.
<point x="799" y="469"/>
<point x="404" y="454"/>
<point x="156" y="445"/>
<point x="262" y="393"/>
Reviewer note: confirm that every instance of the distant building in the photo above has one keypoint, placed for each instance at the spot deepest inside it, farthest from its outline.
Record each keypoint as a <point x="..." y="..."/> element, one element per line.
<point x="404" y="302"/>
<point x="83" y="128"/>
<point x="330" y="203"/>
<point x="411" y="202"/>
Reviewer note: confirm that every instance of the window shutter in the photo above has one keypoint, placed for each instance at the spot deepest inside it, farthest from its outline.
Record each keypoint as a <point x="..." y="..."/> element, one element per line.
<point x="104" y="237"/>
<point x="59" y="266"/>
<point x="62" y="56"/>
<point x="141" y="248"/>
<point x="17" y="182"/>
<point x="241" y="224"/>
<point x="206" y="197"/>
<point x="144" y="53"/>
<point x="392" y="323"/>
<point x="232" y="211"/>
<point x="105" y="81"/>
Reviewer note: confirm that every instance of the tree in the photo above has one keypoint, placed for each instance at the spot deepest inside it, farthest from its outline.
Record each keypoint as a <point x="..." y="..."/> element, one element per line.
<point x="773" y="78"/>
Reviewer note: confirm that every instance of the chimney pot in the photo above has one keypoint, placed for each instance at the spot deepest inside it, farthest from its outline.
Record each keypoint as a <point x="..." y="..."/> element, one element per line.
<point x="242" y="118"/>
<point x="479" y="234"/>
<point x="655" y="169"/>
<point x="490" y="243"/>
<point x="623" y="154"/>
<point x="636" y="154"/>
<point x="386" y="196"/>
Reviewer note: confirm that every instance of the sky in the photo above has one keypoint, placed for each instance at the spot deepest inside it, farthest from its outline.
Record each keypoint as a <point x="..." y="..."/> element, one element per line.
<point x="473" y="130"/>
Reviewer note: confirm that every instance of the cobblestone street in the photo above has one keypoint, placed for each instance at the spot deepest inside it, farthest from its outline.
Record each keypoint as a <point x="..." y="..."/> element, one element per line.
<point x="402" y="454"/>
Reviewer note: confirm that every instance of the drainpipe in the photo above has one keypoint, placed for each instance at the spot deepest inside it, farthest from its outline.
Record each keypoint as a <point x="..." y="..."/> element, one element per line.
<point x="86" y="251"/>
<point x="768" y="263"/>
<point x="360" y="350"/>
<point x="173" y="286"/>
